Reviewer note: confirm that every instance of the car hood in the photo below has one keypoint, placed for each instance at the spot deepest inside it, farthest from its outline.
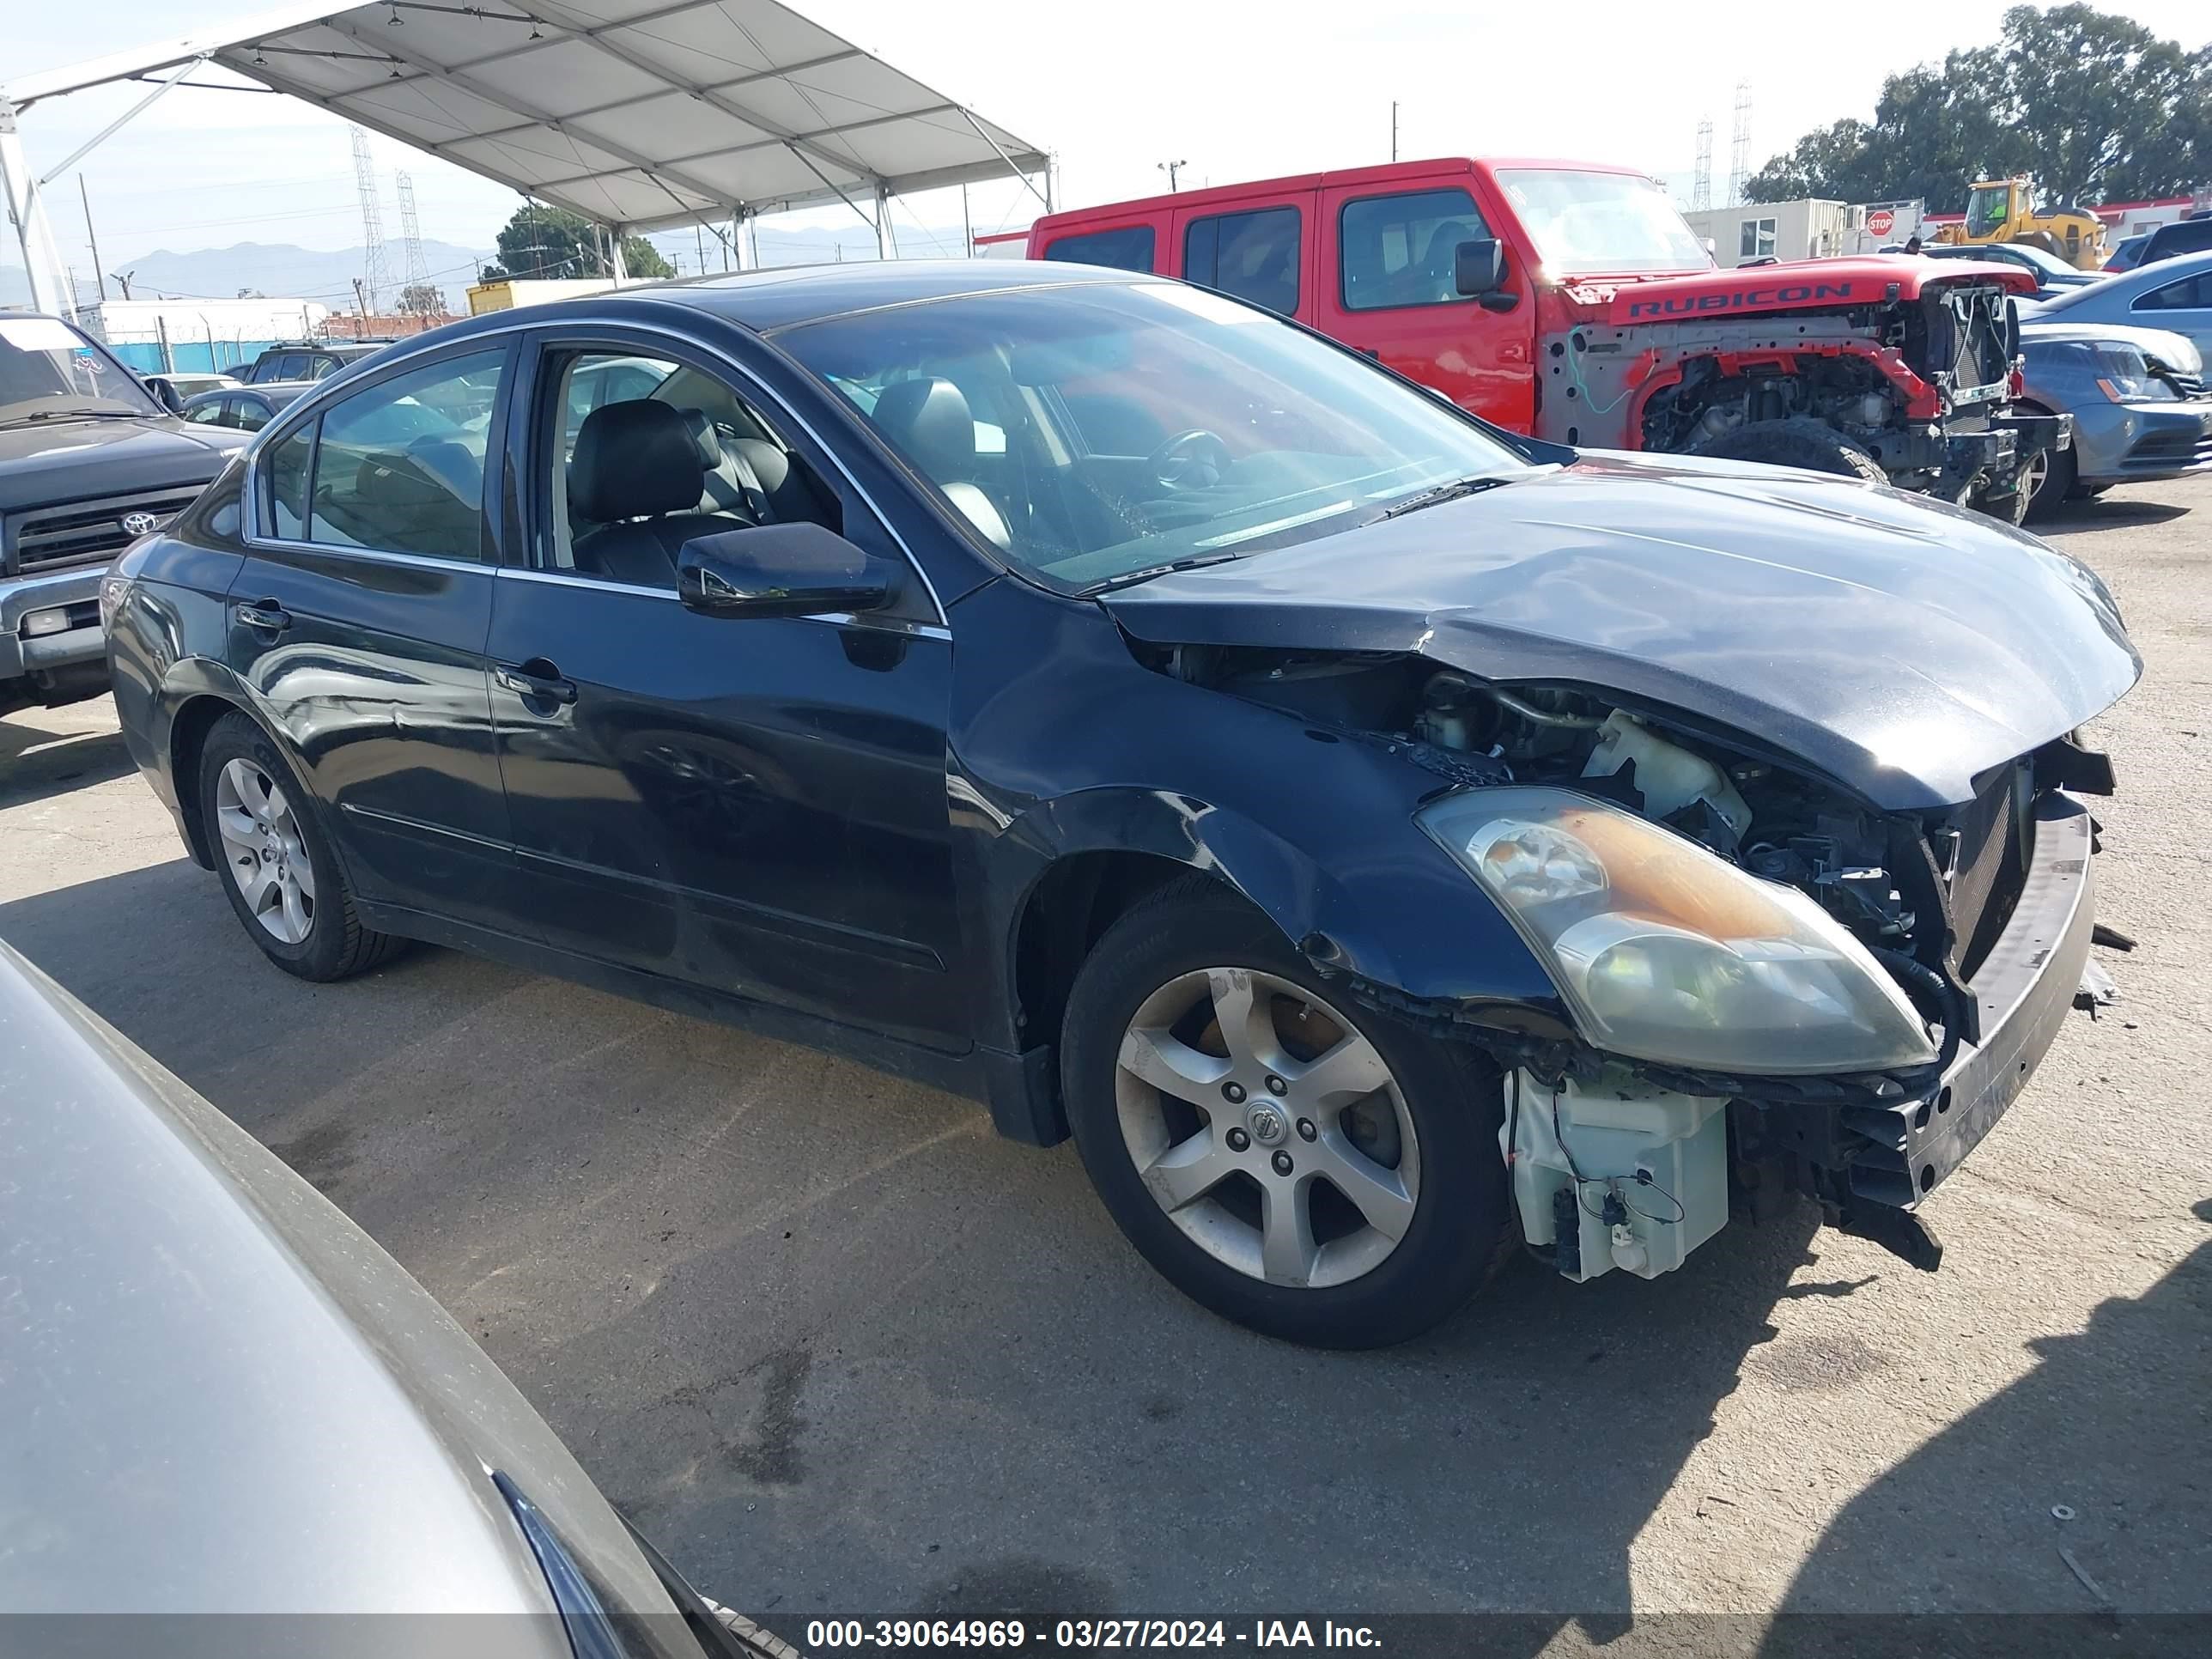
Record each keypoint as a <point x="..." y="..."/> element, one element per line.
<point x="1898" y="645"/>
<point x="217" y="1394"/>
<point x="1800" y="285"/>
<point x="73" y="460"/>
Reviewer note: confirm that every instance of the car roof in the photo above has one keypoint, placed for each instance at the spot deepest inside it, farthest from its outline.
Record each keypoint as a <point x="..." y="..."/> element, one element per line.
<point x="766" y="301"/>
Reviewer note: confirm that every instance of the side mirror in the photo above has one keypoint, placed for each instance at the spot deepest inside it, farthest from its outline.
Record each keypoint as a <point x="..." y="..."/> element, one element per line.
<point x="165" y="395"/>
<point x="782" y="570"/>
<point x="1478" y="267"/>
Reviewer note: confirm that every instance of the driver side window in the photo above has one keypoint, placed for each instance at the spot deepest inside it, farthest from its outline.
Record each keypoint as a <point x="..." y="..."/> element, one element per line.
<point x="1398" y="250"/>
<point x="642" y="453"/>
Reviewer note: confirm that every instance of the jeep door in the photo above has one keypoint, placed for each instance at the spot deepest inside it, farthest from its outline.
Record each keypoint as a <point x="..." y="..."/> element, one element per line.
<point x="1386" y="286"/>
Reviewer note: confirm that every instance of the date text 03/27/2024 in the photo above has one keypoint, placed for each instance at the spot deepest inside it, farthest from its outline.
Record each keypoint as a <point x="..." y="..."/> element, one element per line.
<point x="1009" y="1633"/>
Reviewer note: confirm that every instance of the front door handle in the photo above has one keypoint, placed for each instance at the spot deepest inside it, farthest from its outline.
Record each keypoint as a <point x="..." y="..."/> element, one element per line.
<point x="266" y="615"/>
<point x="535" y="681"/>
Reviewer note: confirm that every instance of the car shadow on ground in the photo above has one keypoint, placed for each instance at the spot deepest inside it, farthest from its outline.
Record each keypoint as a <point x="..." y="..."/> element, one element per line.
<point x="36" y="761"/>
<point x="2119" y="1514"/>
<point x="839" y="1350"/>
<point x="2095" y="513"/>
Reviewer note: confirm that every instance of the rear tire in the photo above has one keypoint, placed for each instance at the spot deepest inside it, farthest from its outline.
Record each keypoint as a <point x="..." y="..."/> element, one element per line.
<point x="274" y="862"/>
<point x="1808" y="445"/>
<point x="1263" y="1089"/>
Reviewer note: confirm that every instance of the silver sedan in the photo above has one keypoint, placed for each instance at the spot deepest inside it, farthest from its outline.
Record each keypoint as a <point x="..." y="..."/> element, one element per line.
<point x="2141" y="408"/>
<point x="2173" y="294"/>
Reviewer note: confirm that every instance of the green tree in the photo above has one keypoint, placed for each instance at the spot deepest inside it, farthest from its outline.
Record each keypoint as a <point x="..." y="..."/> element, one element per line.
<point x="553" y="242"/>
<point x="2093" y="105"/>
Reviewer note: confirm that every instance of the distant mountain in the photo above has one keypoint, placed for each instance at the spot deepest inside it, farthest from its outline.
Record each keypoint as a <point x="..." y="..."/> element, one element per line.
<point x="283" y="271"/>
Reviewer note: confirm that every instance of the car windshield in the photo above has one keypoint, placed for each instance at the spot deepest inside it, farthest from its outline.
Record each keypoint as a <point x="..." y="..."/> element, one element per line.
<point x="48" y="371"/>
<point x="1584" y="223"/>
<point x="1099" y="430"/>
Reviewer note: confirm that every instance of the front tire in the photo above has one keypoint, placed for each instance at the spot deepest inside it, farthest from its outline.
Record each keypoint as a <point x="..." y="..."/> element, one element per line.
<point x="1290" y="1159"/>
<point x="1808" y="445"/>
<point x="275" y="864"/>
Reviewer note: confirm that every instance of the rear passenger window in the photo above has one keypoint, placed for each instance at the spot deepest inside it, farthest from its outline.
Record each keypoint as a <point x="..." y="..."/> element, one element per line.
<point x="1254" y="256"/>
<point x="1129" y="247"/>
<point x="400" y="465"/>
<point x="1399" y="250"/>
<point x="289" y="465"/>
<point x="2189" y="293"/>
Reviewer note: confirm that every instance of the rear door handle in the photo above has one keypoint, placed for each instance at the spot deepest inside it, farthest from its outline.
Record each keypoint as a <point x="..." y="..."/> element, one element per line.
<point x="535" y="681"/>
<point x="266" y="615"/>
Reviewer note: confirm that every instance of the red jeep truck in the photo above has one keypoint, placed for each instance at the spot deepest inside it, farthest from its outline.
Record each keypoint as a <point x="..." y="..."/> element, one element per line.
<point x="1569" y="301"/>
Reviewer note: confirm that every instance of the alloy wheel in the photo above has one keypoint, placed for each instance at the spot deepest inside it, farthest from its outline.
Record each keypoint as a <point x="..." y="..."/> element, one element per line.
<point x="1267" y="1127"/>
<point x="264" y="851"/>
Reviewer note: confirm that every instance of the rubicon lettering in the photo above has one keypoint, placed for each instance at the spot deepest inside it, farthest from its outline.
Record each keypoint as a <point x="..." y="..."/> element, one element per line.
<point x="1743" y="299"/>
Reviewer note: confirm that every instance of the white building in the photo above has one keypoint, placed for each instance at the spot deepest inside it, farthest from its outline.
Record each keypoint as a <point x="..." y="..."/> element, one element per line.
<point x="1808" y="229"/>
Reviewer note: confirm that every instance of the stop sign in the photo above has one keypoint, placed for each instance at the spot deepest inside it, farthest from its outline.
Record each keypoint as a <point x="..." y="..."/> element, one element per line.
<point x="1880" y="222"/>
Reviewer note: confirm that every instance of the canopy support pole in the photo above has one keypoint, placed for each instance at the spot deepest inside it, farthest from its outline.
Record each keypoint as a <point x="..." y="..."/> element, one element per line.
<point x="886" y="238"/>
<point x="41" y="258"/>
<point x="1028" y="184"/>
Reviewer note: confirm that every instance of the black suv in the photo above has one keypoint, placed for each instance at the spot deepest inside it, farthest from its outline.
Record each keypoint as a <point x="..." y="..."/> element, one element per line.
<point x="309" y="359"/>
<point x="89" y="462"/>
<point x="2171" y="241"/>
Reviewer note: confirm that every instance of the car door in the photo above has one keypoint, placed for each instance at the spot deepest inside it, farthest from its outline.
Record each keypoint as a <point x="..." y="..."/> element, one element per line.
<point x="753" y="804"/>
<point x="1388" y="288"/>
<point x="359" y="618"/>
<point x="2184" y="305"/>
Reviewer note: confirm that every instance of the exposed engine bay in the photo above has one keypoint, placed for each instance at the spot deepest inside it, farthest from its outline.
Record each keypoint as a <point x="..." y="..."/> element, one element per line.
<point x="1618" y="1162"/>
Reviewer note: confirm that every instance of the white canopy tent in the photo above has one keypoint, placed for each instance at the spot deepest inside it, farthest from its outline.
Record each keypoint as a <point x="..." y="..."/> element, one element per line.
<point x="639" y="114"/>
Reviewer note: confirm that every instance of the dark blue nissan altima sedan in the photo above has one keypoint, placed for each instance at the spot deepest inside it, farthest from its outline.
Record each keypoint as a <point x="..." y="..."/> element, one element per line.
<point x="1379" y="840"/>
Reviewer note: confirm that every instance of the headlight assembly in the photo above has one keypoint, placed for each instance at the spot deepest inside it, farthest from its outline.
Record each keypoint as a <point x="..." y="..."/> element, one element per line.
<point x="1667" y="952"/>
<point x="2125" y="377"/>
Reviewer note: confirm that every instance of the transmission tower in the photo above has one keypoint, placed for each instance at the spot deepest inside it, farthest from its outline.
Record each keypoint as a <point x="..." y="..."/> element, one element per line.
<point x="410" y="233"/>
<point x="1701" y="181"/>
<point x="373" y="276"/>
<point x="1739" y="145"/>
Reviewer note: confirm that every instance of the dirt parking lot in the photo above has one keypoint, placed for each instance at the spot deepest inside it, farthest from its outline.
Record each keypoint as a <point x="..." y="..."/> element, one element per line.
<point x="841" y="1351"/>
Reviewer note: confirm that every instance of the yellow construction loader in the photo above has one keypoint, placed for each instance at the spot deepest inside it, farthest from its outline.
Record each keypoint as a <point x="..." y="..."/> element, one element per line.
<point x="2003" y="210"/>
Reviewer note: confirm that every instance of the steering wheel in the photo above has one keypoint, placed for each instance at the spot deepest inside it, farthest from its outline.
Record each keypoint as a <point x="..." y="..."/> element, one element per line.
<point x="1190" y="460"/>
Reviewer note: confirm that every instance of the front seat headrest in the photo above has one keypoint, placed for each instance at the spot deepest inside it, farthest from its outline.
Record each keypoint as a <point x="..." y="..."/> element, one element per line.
<point x="709" y="441"/>
<point x="928" y="422"/>
<point x="634" y="459"/>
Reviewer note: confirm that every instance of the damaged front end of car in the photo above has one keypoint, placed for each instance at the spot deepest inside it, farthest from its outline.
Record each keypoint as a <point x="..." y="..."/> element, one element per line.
<point x="1776" y="985"/>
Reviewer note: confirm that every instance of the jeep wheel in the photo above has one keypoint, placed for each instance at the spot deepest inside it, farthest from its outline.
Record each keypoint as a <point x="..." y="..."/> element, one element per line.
<point x="1805" y="444"/>
<point x="1290" y="1159"/>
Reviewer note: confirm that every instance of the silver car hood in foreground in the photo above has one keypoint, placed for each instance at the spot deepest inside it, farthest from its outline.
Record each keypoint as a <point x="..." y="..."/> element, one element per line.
<point x="217" y="1394"/>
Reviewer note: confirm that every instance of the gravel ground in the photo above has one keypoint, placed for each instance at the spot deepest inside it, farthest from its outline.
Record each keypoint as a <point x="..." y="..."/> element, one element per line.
<point x="840" y="1351"/>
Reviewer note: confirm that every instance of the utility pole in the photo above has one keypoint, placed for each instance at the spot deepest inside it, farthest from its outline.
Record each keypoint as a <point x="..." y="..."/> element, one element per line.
<point x="98" y="271"/>
<point x="1171" y="168"/>
<point x="1394" y="129"/>
<point x="361" y="302"/>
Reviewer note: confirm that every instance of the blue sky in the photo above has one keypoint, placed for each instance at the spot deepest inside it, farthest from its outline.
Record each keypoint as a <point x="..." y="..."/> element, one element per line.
<point x="1236" y="90"/>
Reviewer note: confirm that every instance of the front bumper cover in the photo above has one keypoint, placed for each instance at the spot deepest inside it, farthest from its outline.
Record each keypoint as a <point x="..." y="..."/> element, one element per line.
<point x="1895" y="1152"/>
